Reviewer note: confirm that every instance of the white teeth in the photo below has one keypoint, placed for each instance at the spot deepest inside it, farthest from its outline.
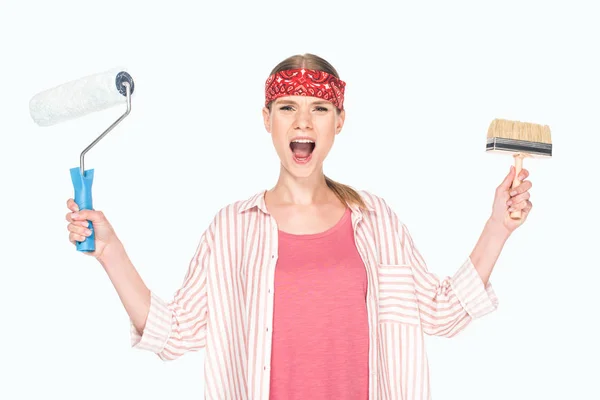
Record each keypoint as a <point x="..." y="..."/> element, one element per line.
<point x="302" y="141"/>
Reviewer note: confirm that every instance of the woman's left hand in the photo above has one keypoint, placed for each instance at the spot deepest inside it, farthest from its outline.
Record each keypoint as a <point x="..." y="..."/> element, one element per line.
<point x="508" y="200"/>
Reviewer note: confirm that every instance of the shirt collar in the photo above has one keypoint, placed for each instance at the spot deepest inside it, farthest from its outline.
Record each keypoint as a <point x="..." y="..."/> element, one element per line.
<point x="256" y="200"/>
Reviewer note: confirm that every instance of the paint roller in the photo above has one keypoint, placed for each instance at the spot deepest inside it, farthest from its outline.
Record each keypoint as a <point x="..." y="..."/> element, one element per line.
<point x="76" y="99"/>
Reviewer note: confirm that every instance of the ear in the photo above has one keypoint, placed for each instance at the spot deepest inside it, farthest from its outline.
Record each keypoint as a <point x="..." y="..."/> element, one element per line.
<point x="341" y="117"/>
<point x="267" y="119"/>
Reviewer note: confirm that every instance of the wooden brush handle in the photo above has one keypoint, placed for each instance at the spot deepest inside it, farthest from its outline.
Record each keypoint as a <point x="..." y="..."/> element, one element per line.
<point x="517" y="182"/>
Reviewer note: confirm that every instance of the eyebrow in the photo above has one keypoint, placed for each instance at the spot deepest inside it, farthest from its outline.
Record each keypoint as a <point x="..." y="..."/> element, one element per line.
<point x="317" y="102"/>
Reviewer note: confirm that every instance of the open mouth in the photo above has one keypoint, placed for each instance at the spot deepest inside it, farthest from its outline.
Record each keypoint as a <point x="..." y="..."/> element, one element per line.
<point x="302" y="149"/>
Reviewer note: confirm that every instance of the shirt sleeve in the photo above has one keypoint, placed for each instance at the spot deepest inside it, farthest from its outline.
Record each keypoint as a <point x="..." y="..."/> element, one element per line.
<point x="447" y="305"/>
<point x="176" y="327"/>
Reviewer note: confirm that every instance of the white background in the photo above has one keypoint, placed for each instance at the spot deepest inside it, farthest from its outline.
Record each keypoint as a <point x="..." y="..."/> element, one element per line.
<point x="424" y="82"/>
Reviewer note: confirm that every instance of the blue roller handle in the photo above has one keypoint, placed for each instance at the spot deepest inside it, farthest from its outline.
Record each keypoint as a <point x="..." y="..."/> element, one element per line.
<point x="83" y="198"/>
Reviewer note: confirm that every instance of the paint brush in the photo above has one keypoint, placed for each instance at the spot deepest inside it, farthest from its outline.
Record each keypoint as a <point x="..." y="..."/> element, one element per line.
<point x="521" y="140"/>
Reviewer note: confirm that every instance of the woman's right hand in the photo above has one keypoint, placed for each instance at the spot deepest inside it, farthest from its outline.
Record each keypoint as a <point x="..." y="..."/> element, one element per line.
<point x="104" y="233"/>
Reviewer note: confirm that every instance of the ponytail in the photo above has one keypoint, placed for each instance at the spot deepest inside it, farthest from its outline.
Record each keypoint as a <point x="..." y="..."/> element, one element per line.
<point x="345" y="193"/>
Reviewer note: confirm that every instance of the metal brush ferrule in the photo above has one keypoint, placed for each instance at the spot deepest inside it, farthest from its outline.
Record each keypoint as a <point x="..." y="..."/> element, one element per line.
<point x="519" y="146"/>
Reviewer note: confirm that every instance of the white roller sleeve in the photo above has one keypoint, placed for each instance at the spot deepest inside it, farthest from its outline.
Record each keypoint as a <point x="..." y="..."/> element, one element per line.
<point x="76" y="98"/>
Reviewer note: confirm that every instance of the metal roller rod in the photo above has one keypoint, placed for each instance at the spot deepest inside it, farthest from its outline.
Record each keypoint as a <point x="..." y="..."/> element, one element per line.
<point x="110" y="128"/>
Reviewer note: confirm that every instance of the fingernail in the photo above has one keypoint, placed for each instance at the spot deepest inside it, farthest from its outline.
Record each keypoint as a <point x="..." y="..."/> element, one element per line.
<point x="511" y="209"/>
<point x="514" y="192"/>
<point x="88" y="232"/>
<point x="75" y="215"/>
<point x="508" y="203"/>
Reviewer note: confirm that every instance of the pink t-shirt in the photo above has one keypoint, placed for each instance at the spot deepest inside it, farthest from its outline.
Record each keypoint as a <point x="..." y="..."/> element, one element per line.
<point x="320" y="348"/>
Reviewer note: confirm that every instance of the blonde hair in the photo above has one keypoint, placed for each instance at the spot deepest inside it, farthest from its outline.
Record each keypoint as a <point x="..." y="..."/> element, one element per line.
<point x="310" y="61"/>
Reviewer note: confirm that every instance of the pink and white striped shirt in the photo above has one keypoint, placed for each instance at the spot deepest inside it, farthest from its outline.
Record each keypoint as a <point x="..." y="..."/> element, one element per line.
<point x="225" y="304"/>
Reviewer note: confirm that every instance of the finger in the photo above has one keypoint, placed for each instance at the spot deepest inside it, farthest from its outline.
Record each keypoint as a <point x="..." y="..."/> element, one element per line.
<point x="79" y="221"/>
<point x="523" y="174"/>
<point x="518" y="198"/>
<point x="91" y="215"/>
<point x="73" y="237"/>
<point x="84" y="223"/>
<point x="79" y="230"/>
<point x="505" y="185"/>
<point x="71" y="205"/>
<point x="518" y="206"/>
<point x="523" y="187"/>
<point x="527" y="208"/>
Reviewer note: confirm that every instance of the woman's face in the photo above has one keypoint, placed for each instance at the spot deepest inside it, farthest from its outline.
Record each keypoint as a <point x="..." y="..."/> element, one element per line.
<point x="303" y="129"/>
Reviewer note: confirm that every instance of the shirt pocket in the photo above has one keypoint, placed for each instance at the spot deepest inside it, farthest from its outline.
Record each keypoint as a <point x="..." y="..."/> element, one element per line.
<point x="397" y="298"/>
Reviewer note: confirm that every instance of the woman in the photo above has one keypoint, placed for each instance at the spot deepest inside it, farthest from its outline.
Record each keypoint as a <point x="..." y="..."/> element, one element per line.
<point x="310" y="289"/>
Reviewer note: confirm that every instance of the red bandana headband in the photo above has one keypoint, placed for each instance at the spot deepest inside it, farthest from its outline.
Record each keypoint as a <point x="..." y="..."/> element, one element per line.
<point x="305" y="82"/>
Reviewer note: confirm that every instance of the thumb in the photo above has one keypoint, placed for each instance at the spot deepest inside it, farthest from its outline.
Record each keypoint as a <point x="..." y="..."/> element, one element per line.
<point x="508" y="180"/>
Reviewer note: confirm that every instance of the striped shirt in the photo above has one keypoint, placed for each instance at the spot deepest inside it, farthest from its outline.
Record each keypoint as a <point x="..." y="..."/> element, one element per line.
<point x="225" y="304"/>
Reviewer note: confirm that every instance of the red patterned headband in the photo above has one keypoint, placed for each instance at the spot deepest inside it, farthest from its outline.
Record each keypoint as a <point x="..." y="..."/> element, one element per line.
<point x="305" y="82"/>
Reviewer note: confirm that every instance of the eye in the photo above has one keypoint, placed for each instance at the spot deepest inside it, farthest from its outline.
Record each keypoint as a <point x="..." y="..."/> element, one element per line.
<point x="321" y="109"/>
<point x="286" y="108"/>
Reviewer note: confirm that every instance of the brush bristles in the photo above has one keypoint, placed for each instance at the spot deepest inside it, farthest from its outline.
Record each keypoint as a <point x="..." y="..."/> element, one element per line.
<point x="516" y="130"/>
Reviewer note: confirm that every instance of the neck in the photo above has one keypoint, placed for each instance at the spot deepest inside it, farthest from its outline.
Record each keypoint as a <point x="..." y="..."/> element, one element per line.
<point x="301" y="191"/>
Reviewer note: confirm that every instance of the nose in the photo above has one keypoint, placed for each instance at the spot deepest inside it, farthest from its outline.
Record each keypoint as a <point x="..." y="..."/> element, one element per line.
<point x="303" y="119"/>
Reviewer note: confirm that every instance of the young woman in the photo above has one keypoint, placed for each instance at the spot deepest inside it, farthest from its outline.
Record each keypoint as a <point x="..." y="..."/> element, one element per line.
<point x="309" y="290"/>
